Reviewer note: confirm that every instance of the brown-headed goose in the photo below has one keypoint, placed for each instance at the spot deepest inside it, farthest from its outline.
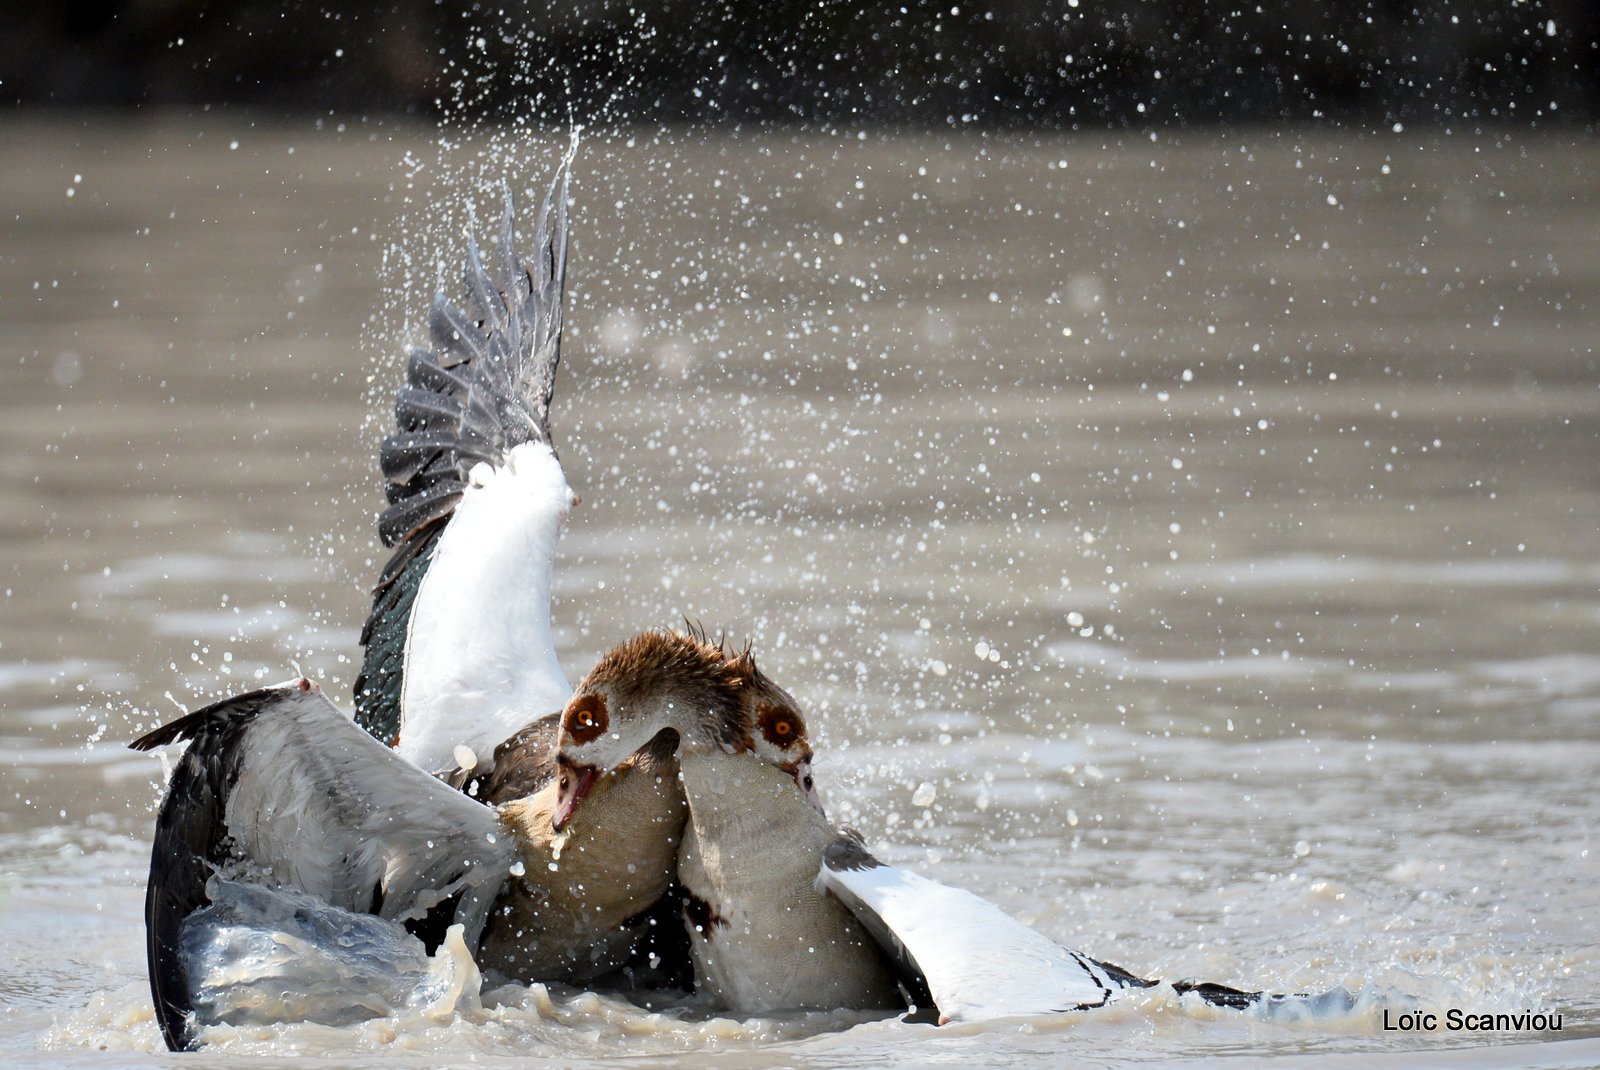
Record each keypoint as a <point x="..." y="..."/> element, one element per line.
<point x="765" y="936"/>
<point x="785" y="911"/>
<point x="459" y="652"/>
<point x="459" y="656"/>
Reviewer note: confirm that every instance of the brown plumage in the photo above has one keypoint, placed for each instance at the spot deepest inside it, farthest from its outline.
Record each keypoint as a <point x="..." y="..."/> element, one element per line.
<point x="669" y="666"/>
<point x="578" y="909"/>
<point x="520" y="765"/>
<point x="591" y="914"/>
<point x="765" y="937"/>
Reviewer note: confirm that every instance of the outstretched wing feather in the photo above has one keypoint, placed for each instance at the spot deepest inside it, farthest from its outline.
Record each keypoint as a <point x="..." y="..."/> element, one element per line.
<point x="279" y="787"/>
<point x="416" y="409"/>
<point x="510" y="271"/>
<point x="408" y="516"/>
<point x="487" y="303"/>
<point x="424" y="370"/>
<point x="480" y="388"/>
<point x="455" y="337"/>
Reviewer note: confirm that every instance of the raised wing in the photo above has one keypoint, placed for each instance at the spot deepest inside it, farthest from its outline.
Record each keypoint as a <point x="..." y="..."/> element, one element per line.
<point x="278" y="788"/>
<point x="978" y="961"/>
<point x="458" y="645"/>
<point x="483" y="384"/>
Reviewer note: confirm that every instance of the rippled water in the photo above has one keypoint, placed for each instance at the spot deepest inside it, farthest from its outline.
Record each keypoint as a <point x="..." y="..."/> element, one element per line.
<point x="1191" y="543"/>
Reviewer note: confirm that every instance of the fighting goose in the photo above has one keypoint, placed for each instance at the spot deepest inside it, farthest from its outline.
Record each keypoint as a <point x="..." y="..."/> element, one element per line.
<point x="764" y="936"/>
<point x="458" y="650"/>
<point x="784" y="910"/>
<point x="454" y="668"/>
<point x="283" y="793"/>
<point x="778" y="901"/>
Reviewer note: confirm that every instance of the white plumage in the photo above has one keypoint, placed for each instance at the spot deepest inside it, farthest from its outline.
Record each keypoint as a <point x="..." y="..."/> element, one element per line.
<point x="320" y="806"/>
<point x="978" y="961"/>
<point x="480" y="662"/>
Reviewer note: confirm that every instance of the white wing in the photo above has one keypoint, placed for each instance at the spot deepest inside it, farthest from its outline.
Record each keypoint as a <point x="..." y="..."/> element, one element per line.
<point x="977" y="960"/>
<point x="458" y="643"/>
<point x="480" y="661"/>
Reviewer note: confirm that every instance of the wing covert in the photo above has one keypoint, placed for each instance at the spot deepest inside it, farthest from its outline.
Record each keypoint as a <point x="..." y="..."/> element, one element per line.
<point x="977" y="961"/>
<point x="279" y="788"/>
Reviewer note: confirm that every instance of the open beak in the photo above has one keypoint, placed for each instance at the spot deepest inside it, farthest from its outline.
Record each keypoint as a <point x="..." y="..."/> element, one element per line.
<point x="576" y="780"/>
<point x="801" y="772"/>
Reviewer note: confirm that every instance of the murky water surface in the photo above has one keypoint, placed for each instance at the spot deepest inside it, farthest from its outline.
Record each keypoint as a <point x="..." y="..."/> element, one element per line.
<point x="1205" y="529"/>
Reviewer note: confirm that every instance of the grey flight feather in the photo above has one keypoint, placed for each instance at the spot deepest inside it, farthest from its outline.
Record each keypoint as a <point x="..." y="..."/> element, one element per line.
<point x="484" y="384"/>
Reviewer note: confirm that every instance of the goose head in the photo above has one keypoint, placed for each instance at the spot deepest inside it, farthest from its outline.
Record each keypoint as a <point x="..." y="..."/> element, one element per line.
<point x="669" y="683"/>
<point x="778" y="733"/>
<point x="655" y="683"/>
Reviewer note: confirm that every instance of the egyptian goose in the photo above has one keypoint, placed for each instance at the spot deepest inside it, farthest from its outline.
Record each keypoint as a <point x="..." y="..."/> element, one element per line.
<point x="454" y="669"/>
<point x="284" y="808"/>
<point x="764" y="936"/>
<point x="784" y="910"/>
<point x="281" y="793"/>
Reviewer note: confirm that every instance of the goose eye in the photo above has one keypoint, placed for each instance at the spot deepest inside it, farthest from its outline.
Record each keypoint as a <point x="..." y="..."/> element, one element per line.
<point x="781" y="726"/>
<point x="586" y="718"/>
<point x="808" y="782"/>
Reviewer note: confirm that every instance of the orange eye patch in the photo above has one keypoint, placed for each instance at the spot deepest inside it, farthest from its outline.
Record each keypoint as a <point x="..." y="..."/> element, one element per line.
<point x="780" y="725"/>
<point x="585" y="719"/>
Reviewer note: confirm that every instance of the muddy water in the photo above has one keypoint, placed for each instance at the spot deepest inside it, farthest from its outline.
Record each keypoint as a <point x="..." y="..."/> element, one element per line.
<point x="1190" y="543"/>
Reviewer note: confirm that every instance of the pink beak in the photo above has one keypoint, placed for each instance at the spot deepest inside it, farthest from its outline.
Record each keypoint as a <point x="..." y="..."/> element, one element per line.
<point x="576" y="783"/>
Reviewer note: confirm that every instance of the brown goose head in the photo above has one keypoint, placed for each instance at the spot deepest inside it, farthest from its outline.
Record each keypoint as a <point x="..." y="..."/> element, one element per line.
<point x="658" y="683"/>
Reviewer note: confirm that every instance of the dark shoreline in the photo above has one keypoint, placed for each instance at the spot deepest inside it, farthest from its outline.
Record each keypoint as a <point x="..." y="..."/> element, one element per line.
<point x="1048" y="64"/>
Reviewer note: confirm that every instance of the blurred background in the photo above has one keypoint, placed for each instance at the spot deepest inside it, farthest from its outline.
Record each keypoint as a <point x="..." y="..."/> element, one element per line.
<point x="1058" y="63"/>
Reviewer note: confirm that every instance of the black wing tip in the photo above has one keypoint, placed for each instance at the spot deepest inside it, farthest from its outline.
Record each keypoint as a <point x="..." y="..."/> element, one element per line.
<point x="1125" y="978"/>
<point x="190" y="724"/>
<point x="1217" y="995"/>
